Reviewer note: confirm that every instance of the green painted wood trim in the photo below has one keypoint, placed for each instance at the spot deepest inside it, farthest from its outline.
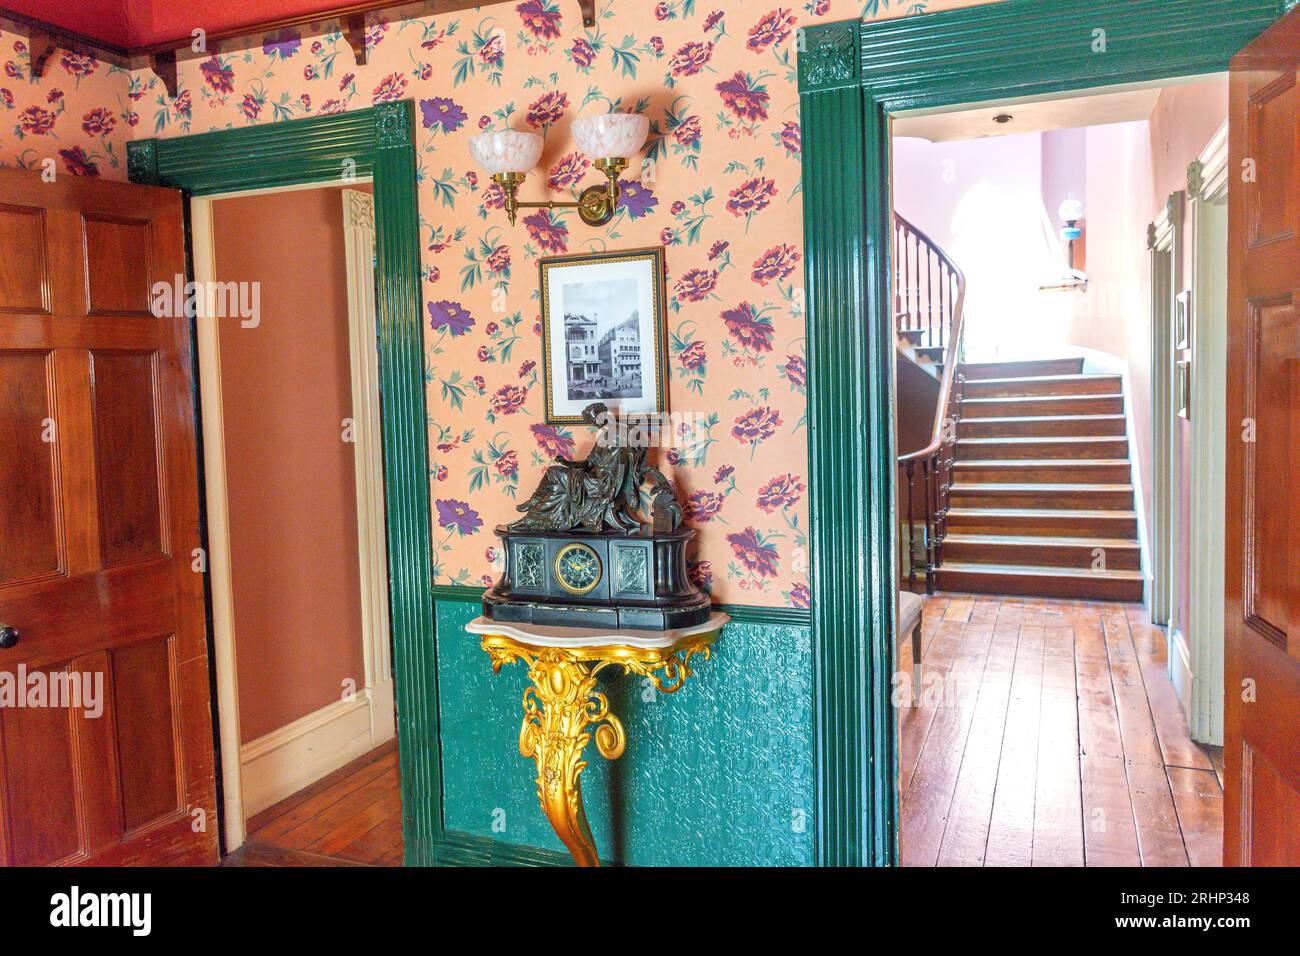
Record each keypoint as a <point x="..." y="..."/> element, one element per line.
<point x="851" y="76"/>
<point x="377" y="141"/>
<point x="317" y="149"/>
<point x="844" y="442"/>
<point x="1028" y="47"/>
<point x="778" y="616"/>
<point x="462" y="849"/>
<point x="749" y="614"/>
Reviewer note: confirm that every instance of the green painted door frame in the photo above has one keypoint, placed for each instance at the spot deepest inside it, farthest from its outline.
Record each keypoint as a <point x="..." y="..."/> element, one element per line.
<point x="376" y="142"/>
<point x="852" y="76"/>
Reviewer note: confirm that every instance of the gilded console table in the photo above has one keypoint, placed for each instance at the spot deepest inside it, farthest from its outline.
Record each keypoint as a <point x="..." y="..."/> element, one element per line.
<point x="563" y="702"/>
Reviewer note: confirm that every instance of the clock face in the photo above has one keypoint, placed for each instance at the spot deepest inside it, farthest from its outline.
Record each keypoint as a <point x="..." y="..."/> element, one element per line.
<point x="577" y="568"/>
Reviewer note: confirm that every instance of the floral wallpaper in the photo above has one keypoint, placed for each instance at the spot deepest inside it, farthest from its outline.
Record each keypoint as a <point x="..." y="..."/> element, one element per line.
<point x="719" y="189"/>
<point x="75" y="119"/>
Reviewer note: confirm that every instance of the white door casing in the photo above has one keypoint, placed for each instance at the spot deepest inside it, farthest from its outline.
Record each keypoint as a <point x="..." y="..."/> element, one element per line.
<point x="1207" y="191"/>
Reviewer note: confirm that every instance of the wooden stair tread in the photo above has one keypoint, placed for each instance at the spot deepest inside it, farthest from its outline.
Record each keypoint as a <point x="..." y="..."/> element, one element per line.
<point x="1048" y="513"/>
<point x="1039" y="487"/>
<point x="1037" y="541"/>
<point x="1038" y="439"/>
<point x="1039" y="462"/>
<point x="1027" y="503"/>
<point x="1003" y="419"/>
<point x="1039" y="571"/>
<point x="1032" y="399"/>
<point x="1043" y="379"/>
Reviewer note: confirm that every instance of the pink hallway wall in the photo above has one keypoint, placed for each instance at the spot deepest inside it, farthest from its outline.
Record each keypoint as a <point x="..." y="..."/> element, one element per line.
<point x="286" y="388"/>
<point x="1065" y="173"/>
<point x="1111" y="316"/>
<point x="1184" y="120"/>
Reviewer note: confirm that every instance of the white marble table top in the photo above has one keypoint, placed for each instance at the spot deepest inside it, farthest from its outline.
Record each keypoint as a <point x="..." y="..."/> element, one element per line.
<point x="541" y="635"/>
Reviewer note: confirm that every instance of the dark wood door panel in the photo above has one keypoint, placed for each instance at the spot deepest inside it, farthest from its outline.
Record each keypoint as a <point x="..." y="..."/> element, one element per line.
<point x="127" y="455"/>
<point x="40" y="818"/>
<point x="1272" y="106"/>
<point x="1272" y="398"/>
<point x="25" y="269"/>
<point x="1262" y="541"/>
<point x="1270" y="813"/>
<point x="79" y="724"/>
<point x="112" y="507"/>
<point x="28" y="504"/>
<point x="143" y="685"/>
<point x="119" y="273"/>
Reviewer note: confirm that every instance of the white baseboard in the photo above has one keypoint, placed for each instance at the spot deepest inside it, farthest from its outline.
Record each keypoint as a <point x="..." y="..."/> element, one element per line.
<point x="1180" y="671"/>
<point x="284" y="761"/>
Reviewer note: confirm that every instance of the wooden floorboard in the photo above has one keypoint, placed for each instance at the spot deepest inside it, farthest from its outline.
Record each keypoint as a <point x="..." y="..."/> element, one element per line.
<point x="1198" y="798"/>
<point x="935" y="776"/>
<point x="352" y="817"/>
<point x="966" y="830"/>
<point x="1060" y="742"/>
<point x="264" y="854"/>
<point x="1011" y="825"/>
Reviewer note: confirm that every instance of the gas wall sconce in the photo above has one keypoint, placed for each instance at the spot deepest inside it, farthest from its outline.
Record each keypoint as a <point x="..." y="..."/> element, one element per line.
<point x="608" y="139"/>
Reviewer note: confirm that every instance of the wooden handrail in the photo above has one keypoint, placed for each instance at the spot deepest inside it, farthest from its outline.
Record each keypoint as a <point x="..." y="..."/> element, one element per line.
<point x="950" y="328"/>
<point x="929" y="297"/>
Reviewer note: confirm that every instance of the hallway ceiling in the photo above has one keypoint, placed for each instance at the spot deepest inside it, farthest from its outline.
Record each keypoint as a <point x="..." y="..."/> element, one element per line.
<point x="137" y="25"/>
<point x="1030" y="117"/>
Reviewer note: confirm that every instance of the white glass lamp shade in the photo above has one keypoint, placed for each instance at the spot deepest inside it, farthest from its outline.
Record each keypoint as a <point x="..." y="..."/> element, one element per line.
<point x="510" y="151"/>
<point x="611" y="135"/>
<point x="1071" y="210"/>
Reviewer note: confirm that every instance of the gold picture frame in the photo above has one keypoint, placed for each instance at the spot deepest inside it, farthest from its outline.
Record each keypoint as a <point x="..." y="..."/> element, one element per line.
<point x="604" y="348"/>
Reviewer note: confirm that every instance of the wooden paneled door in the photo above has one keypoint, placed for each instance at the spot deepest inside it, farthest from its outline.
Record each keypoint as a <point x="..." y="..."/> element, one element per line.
<point x="1262" y="594"/>
<point x="99" y="597"/>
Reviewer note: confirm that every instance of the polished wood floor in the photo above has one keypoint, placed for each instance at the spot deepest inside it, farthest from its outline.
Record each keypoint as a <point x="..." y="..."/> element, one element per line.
<point x="353" y="817"/>
<point x="1052" y="736"/>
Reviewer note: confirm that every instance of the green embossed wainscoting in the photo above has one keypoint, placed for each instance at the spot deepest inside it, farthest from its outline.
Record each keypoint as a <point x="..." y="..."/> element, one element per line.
<point x="717" y="774"/>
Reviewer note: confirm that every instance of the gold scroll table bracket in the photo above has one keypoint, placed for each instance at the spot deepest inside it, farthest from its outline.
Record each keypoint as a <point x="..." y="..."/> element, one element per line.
<point x="563" y="709"/>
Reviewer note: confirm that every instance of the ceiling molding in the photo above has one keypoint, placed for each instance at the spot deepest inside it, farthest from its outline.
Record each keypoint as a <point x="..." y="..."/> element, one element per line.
<point x="162" y="56"/>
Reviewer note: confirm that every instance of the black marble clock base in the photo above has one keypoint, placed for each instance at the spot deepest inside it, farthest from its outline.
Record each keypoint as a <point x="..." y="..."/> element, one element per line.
<point x="620" y="617"/>
<point x="606" y="580"/>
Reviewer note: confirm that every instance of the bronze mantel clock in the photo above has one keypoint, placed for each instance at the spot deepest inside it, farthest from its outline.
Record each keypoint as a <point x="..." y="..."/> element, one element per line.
<point x="580" y="556"/>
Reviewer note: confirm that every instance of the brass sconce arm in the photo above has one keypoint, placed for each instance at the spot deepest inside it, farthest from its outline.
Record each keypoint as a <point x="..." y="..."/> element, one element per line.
<point x="596" y="206"/>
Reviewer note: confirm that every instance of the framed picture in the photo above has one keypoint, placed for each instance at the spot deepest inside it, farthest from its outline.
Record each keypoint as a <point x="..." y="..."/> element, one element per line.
<point x="1183" y="320"/>
<point x="1183" y="382"/>
<point x="604" y="333"/>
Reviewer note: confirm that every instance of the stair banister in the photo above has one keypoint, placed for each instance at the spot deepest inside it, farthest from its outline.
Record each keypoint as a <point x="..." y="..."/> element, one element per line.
<point x="929" y="295"/>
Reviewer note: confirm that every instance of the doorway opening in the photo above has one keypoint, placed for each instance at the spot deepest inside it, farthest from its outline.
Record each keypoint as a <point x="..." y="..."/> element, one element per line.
<point x="289" y="398"/>
<point x="1048" y="477"/>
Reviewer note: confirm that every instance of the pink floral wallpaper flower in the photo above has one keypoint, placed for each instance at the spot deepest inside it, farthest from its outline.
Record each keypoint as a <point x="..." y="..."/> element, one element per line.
<point x="720" y="190"/>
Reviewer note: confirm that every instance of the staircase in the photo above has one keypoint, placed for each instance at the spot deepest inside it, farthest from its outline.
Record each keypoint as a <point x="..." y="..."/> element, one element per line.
<point x="1039" y="497"/>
